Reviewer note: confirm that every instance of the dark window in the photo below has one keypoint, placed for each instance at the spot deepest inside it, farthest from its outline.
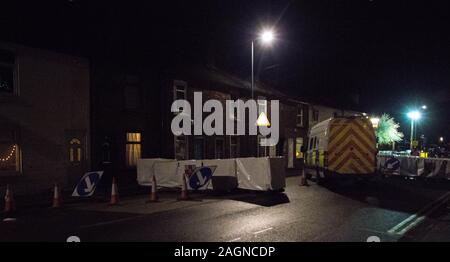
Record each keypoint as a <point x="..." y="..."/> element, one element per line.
<point x="199" y="148"/>
<point x="219" y="148"/>
<point x="132" y="97"/>
<point x="234" y="146"/>
<point x="315" y="115"/>
<point x="299" y="116"/>
<point x="6" y="72"/>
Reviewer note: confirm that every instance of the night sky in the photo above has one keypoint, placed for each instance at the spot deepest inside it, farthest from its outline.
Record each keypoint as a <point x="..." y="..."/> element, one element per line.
<point x="372" y="55"/>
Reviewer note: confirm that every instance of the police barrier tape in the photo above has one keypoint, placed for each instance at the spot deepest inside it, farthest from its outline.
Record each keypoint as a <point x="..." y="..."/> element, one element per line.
<point x="414" y="166"/>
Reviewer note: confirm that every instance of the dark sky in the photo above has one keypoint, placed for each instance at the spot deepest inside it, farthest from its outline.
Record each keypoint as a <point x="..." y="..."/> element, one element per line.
<point x="394" y="54"/>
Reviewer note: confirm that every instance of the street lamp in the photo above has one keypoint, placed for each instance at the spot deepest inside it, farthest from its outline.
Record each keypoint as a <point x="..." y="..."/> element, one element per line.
<point x="424" y="107"/>
<point x="441" y="139"/>
<point x="414" y="116"/>
<point x="266" y="37"/>
<point x="375" y="121"/>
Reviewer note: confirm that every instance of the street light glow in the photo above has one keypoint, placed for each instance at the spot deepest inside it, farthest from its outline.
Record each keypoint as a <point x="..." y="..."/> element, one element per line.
<point x="375" y="121"/>
<point x="441" y="139"/>
<point x="424" y="107"/>
<point x="414" y="115"/>
<point x="267" y="36"/>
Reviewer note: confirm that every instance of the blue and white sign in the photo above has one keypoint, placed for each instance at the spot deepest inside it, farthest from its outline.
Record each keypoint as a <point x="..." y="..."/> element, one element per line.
<point x="392" y="164"/>
<point x="86" y="185"/>
<point x="201" y="176"/>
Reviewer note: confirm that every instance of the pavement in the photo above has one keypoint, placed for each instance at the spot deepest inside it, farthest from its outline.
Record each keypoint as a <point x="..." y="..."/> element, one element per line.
<point x="389" y="209"/>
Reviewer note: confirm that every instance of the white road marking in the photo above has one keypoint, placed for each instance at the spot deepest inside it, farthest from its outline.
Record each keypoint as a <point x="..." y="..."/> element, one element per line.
<point x="234" y="240"/>
<point x="414" y="220"/>
<point x="261" y="231"/>
<point x="110" y="222"/>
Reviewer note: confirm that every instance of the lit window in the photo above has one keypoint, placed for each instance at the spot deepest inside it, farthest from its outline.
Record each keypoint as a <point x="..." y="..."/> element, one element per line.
<point x="133" y="149"/>
<point x="9" y="157"/>
<point x="75" y="151"/>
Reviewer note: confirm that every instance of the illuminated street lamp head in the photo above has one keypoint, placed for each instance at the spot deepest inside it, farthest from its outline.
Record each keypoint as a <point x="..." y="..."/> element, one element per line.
<point x="267" y="37"/>
<point x="414" y="115"/>
<point x="375" y="121"/>
<point x="424" y="107"/>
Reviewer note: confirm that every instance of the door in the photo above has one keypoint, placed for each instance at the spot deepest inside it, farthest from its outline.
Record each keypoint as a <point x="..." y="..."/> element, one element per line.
<point x="290" y="153"/>
<point x="76" y="157"/>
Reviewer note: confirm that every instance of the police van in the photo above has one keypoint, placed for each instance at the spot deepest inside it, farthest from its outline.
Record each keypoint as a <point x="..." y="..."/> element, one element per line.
<point x="341" y="146"/>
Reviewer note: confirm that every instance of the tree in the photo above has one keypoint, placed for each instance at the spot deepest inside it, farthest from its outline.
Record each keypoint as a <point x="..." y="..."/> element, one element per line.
<point x="387" y="130"/>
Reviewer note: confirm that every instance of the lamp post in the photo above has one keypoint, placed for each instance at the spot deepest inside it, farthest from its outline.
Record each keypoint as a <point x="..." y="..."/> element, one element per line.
<point x="414" y="116"/>
<point x="266" y="37"/>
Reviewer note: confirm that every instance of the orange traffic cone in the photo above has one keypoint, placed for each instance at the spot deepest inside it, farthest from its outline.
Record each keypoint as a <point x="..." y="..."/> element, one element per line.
<point x="184" y="192"/>
<point x="56" y="197"/>
<point x="303" y="179"/>
<point x="153" y="194"/>
<point x="114" y="193"/>
<point x="9" y="201"/>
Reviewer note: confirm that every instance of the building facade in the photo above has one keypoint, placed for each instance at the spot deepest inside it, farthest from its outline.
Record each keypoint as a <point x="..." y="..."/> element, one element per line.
<point x="44" y="118"/>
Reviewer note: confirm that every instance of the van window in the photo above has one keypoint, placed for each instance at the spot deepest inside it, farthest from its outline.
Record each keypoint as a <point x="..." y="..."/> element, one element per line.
<point x="317" y="143"/>
<point x="310" y="145"/>
<point x="314" y="143"/>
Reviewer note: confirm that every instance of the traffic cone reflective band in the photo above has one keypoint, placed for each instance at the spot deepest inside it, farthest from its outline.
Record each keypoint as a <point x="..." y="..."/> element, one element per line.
<point x="303" y="179"/>
<point x="114" y="193"/>
<point x="9" y="202"/>
<point x="154" y="194"/>
<point x="184" y="192"/>
<point x="56" y="197"/>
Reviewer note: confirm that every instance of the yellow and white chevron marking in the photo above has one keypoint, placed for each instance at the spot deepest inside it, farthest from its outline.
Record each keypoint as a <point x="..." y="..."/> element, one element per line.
<point x="352" y="147"/>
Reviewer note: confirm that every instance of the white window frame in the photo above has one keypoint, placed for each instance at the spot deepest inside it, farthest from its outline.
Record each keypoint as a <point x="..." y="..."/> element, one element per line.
<point x="300" y="115"/>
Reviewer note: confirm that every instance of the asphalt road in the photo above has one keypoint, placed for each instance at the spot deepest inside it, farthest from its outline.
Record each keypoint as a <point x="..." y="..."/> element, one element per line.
<point x="392" y="209"/>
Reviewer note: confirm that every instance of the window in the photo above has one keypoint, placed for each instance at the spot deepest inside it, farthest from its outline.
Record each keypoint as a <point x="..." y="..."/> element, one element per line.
<point x="300" y="116"/>
<point x="181" y="147"/>
<point x="311" y="140"/>
<point x="9" y="152"/>
<point x="75" y="151"/>
<point x="199" y="148"/>
<point x="132" y="97"/>
<point x="298" y="147"/>
<point x="133" y="149"/>
<point x="315" y="115"/>
<point x="179" y="90"/>
<point x="219" y="148"/>
<point x="234" y="146"/>
<point x="7" y="65"/>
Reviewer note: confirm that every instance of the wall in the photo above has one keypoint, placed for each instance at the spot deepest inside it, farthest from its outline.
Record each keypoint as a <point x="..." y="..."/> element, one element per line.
<point x="52" y="105"/>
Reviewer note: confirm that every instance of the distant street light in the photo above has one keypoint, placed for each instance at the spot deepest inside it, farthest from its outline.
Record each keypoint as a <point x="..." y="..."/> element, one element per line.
<point x="414" y="116"/>
<point x="441" y="139"/>
<point x="375" y="121"/>
<point x="424" y="107"/>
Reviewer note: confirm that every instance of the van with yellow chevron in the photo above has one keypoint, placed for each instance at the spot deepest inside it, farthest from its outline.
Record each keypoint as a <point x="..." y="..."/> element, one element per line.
<point x="341" y="147"/>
